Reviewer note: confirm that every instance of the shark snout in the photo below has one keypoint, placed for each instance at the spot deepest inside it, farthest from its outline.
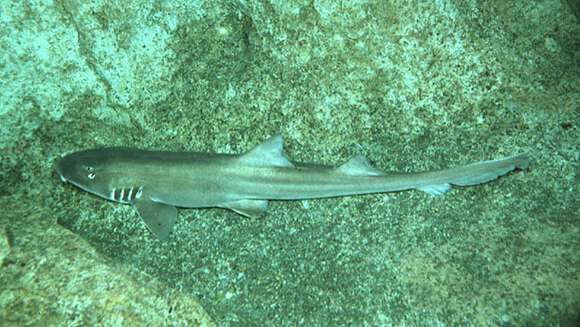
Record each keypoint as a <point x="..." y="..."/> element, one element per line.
<point x="59" y="169"/>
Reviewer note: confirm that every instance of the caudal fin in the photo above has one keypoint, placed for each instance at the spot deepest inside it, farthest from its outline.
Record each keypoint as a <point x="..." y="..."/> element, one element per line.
<point x="485" y="171"/>
<point x="477" y="173"/>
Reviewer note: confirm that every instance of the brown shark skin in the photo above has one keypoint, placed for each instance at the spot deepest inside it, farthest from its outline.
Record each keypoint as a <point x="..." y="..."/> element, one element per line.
<point x="156" y="182"/>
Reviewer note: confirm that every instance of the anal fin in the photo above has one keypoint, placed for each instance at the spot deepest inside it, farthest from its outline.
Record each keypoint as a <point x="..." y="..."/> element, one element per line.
<point x="436" y="189"/>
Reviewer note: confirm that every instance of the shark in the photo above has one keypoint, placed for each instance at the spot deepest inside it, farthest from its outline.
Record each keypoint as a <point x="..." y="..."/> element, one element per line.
<point x="156" y="183"/>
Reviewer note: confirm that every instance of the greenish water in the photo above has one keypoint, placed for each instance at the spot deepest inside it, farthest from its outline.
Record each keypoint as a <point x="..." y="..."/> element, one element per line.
<point x="411" y="86"/>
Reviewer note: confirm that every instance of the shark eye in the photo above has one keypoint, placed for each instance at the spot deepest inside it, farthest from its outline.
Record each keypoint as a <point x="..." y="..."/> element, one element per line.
<point x="91" y="174"/>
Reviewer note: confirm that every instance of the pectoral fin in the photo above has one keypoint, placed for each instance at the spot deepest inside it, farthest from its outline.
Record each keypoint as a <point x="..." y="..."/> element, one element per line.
<point x="158" y="217"/>
<point x="248" y="208"/>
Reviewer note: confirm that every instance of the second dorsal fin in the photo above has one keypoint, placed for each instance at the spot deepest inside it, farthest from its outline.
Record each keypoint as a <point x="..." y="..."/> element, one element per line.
<point x="359" y="166"/>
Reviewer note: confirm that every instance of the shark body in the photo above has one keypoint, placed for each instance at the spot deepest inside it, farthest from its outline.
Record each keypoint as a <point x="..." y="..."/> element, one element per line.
<point x="157" y="182"/>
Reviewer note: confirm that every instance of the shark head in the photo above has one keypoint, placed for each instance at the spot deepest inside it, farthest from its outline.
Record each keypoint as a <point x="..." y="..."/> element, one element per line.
<point x="90" y="170"/>
<point x="108" y="173"/>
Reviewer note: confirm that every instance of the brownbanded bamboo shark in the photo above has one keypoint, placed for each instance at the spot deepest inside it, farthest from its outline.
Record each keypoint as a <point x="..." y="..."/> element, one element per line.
<point x="157" y="182"/>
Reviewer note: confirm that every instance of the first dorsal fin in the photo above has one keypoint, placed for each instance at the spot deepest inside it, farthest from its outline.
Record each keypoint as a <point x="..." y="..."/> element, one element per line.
<point x="267" y="154"/>
<point x="359" y="166"/>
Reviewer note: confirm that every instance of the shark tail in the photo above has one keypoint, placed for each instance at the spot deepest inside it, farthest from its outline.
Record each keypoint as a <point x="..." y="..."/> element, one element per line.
<point x="477" y="173"/>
